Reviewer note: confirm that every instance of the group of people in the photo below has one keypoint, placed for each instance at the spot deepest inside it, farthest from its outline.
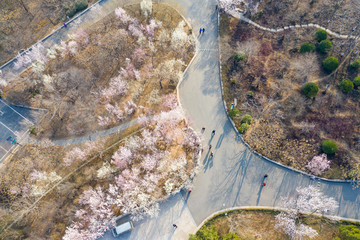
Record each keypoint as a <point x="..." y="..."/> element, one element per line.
<point x="212" y="134"/>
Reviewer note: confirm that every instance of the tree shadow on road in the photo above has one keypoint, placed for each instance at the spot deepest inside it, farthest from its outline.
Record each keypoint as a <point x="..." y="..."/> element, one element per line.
<point x="233" y="178"/>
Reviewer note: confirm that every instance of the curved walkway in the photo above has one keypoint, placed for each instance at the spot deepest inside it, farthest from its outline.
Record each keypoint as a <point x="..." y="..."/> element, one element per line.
<point x="90" y="137"/>
<point x="240" y="16"/>
<point x="233" y="177"/>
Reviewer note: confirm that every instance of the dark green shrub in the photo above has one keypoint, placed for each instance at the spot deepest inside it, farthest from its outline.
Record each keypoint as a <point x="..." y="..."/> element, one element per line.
<point x="32" y="130"/>
<point x="71" y="12"/>
<point x="330" y="64"/>
<point x="320" y="35"/>
<point x="356" y="82"/>
<point x="310" y="89"/>
<point x="81" y="5"/>
<point x="307" y="47"/>
<point x="205" y="233"/>
<point x="246" y="119"/>
<point x="77" y="7"/>
<point x="250" y="94"/>
<point x="329" y="147"/>
<point x="349" y="232"/>
<point x="355" y="65"/>
<point x="233" y="112"/>
<point x="324" y="46"/>
<point x="243" y="128"/>
<point x="258" y="15"/>
<point x="239" y="57"/>
<point x="346" y="86"/>
<point x="230" y="236"/>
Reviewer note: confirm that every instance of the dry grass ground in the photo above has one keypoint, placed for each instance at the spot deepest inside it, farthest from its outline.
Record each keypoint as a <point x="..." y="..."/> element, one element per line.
<point x="259" y="225"/>
<point x="24" y="22"/>
<point x="341" y="14"/>
<point x="289" y="127"/>
<point x="73" y="97"/>
<point x="34" y="169"/>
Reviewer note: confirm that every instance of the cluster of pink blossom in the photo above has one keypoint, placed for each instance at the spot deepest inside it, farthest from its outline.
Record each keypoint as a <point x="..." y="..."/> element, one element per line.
<point x="147" y="68"/>
<point x="36" y="175"/>
<point x="117" y="87"/>
<point x="308" y="200"/>
<point x="115" y="114"/>
<point x="94" y="219"/>
<point x="138" y="56"/>
<point x="130" y="107"/>
<point x="115" y="111"/>
<point x="318" y="164"/>
<point x="122" y="157"/>
<point x="141" y="164"/>
<point x="123" y="16"/>
<point x="78" y="155"/>
<point x="104" y="121"/>
<point x="136" y="29"/>
<point x="169" y="101"/>
<point x="68" y="48"/>
<point x="37" y="53"/>
<point x="150" y="28"/>
<point x="229" y="5"/>
<point x="81" y="37"/>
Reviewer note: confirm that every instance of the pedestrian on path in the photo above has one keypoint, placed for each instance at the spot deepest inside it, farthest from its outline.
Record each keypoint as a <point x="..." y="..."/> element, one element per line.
<point x="264" y="184"/>
<point x="216" y="7"/>
<point x="211" y="154"/>
<point x="265" y="176"/>
<point x="210" y="146"/>
<point x="64" y="24"/>
<point x="200" y="31"/>
<point x="213" y="132"/>
<point x="189" y="191"/>
<point x="203" y="30"/>
<point x="203" y="129"/>
<point x="175" y="226"/>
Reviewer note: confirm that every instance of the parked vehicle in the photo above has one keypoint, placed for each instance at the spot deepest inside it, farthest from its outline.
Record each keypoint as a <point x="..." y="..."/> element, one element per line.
<point x="123" y="224"/>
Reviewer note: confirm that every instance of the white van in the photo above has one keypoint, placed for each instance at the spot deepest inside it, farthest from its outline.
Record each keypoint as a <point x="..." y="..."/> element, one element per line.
<point x="123" y="224"/>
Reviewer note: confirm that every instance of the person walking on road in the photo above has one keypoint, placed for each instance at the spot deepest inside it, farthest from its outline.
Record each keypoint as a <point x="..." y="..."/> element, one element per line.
<point x="175" y="226"/>
<point x="265" y="176"/>
<point x="203" y="30"/>
<point x="213" y="132"/>
<point x="210" y="146"/>
<point x="200" y="31"/>
<point x="203" y="129"/>
<point x="211" y="154"/>
<point x="264" y="184"/>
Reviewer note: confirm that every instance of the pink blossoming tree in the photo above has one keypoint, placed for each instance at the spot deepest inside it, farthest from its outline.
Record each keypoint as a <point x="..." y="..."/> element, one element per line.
<point x="318" y="164"/>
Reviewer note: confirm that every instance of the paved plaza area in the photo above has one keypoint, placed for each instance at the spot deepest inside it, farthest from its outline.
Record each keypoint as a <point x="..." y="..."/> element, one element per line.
<point x="14" y="125"/>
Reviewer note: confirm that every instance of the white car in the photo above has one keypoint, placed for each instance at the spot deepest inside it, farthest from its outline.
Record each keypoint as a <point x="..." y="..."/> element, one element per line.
<point x="123" y="224"/>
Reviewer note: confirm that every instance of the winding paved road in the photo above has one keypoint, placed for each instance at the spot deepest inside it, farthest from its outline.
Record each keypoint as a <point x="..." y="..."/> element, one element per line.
<point x="234" y="176"/>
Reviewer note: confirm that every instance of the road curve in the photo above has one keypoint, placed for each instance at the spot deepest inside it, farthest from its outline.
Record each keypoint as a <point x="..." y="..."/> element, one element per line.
<point x="234" y="176"/>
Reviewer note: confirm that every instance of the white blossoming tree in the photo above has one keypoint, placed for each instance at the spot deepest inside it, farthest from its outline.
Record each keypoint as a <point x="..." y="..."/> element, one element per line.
<point x="308" y="200"/>
<point x="146" y="7"/>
